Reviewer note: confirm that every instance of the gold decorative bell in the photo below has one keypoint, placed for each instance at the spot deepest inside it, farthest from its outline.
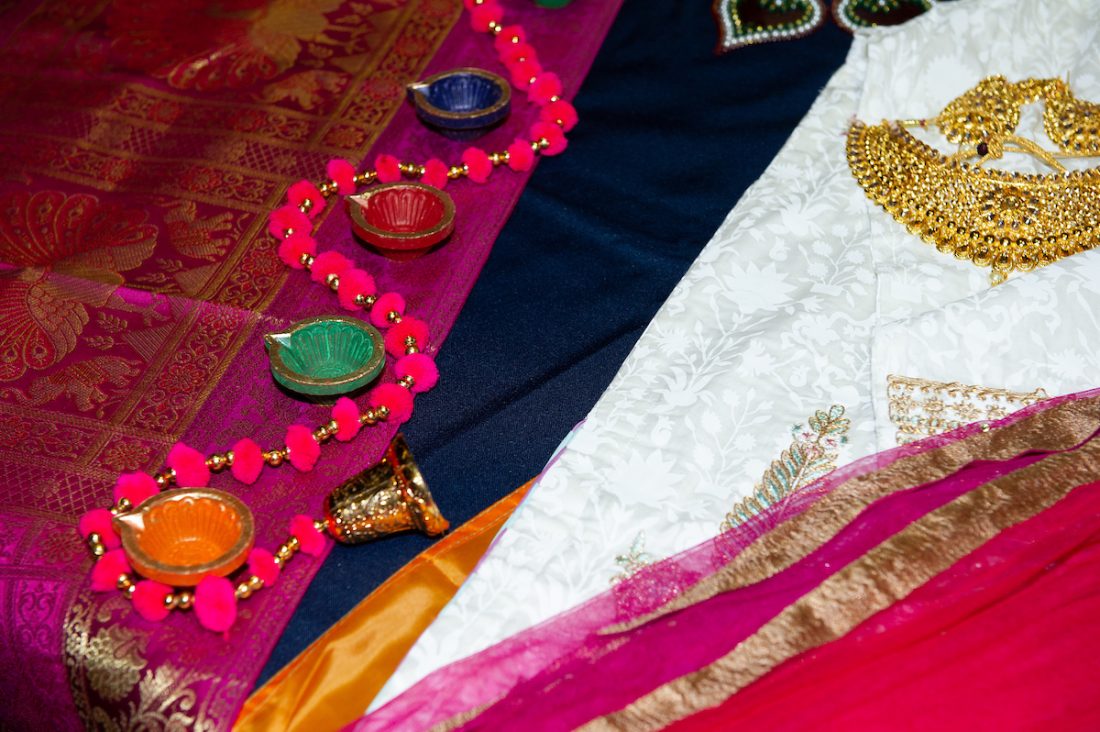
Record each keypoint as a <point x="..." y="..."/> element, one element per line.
<point x="387" y="499"/>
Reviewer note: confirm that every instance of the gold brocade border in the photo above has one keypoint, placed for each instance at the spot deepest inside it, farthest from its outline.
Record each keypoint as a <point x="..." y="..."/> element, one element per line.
<point x="1057" y="428"/>
<point x="883" y="576"/>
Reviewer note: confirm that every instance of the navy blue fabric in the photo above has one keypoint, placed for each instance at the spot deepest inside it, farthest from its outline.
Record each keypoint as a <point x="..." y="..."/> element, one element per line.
<point x="670" y="137"/>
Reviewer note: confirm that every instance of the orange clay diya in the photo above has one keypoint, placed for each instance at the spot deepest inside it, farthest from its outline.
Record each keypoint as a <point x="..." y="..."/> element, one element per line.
<point x="180" y="537"/>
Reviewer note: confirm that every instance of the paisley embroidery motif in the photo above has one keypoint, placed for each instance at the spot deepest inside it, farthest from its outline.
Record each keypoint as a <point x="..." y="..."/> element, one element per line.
<point x="745" y="22"/>
<point x="920" y="408"/>
<point x="812" y="454"/>
<point x="853" y="14"/>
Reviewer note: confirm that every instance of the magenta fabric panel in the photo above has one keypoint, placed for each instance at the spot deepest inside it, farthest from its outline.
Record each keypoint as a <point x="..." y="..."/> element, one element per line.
<point x="143" y="147"/>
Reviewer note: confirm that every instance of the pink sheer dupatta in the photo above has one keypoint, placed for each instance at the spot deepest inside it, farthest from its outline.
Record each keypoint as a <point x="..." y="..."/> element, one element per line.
<point x="546" y="677"/>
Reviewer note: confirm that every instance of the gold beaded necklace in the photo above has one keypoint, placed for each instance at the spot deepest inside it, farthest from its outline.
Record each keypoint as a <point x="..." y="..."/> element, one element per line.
<point x="1008" y="221"/>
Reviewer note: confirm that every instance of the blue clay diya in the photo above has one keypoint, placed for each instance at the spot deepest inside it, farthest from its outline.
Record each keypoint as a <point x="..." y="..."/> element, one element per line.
<point x="462" y="99"/>
<point x="326" y="355"/>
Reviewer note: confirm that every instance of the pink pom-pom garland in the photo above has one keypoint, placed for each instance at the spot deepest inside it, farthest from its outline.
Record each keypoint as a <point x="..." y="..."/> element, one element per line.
<point x="262" y="564"/>
<point x="215" y="600"/>
<point x="301" y="192"/>
<point x="346" y="416"/>
<point x="98" y="521"/>
<point x="342" y="174"/>
<point x="189" y="466"/>
<point x="311" y="540"/>
<point x="328" y="263"/>
<point x="109" y="569"/>
<point x="149" y="600"/>
<point x="135" y="488"/>
<point x="383" y="308"/>
<point x="354" y="284"/>
<point x="215" y="603"/>
<point x="248" y="461"/>
<point x="419" y="370"/>
<point x="387" y="168"/>
<point x="396" y="400"/>
<point x="303" y="448"/>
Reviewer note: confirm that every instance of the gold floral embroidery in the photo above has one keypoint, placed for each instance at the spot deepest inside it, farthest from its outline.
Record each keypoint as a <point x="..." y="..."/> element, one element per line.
<point x="634" y="560"/>
<point x="812" y="454"/>
<point x="920" y="408"/>
<point x="111" y="682"/>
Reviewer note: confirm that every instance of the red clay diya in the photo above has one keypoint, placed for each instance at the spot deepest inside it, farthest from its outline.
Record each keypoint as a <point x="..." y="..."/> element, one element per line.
<point x="402" y="220"/>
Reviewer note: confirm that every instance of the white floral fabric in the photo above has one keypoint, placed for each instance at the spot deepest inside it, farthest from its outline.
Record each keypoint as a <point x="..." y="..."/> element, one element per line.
<point x="808" y="295"/>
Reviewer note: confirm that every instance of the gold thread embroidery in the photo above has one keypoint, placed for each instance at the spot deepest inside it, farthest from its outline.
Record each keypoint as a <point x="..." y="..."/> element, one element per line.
<point x="812" y="454"/>
<point x="634" y="560"/>
<point x="920" y="408"/>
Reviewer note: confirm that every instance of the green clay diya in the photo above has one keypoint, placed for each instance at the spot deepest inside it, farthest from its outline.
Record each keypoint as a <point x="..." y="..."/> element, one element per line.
<point x="326" y="355"/>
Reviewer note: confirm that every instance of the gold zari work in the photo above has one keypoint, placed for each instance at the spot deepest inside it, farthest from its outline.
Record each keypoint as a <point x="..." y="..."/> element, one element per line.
<point x="1008" y="221"/>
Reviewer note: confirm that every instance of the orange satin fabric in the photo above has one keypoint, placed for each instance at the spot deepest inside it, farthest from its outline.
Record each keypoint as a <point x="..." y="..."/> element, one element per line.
<point x="331" y="683"/>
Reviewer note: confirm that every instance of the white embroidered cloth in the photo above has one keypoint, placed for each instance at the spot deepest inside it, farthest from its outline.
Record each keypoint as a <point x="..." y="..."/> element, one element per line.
<point x="808" y="296"/>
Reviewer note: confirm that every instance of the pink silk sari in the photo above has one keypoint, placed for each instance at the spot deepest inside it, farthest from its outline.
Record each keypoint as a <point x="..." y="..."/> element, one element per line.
<point x="144" y="145"/>
<point x="545" y="678"/>
<point x="1008" y="639"/>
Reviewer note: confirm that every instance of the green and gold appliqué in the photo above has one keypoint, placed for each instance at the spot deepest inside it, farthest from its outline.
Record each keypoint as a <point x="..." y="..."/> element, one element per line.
<point x="813" y="453"/>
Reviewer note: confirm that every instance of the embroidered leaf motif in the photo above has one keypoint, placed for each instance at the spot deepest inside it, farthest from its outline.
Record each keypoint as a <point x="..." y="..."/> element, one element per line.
<point x="811" y="455"/>
<point x="633" y="561"/>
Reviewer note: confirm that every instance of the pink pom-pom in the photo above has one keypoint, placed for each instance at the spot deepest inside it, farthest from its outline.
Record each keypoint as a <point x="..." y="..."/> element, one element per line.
<point x="287" y="217"/>
<point x="327" y="263"/>
<point x="248" y="461"/>
<point x="386" y="304"/>
<point x="303" y="446"/>
<point x="261" y="563"/>
<point x="135" y="487"/>
<point x="482" y="16"/>
<point x="391" y="396"/>
<point x="149" y="598"/>
<point x="388" y="168"/>
<point x="396" y="335"/>
<point x="215" y="603"/>
<point x="98" y="521"/>
<point x="517" y="52"/>
<point x="478" y="165"/>
<point x="294" y="246"/>
<point x="343" y="174"/>
<point x="190" y="466"/>
<point x="435" y="173"/>
<point x="302" y="190"/>
<point x="310" y="540"/>
<point x="421" y="367"/>
<point x="346" y="416"/>
<point x="552" y="134"/>
<point x="520" y="156"/>
<point x="353" y="283"/>
<point x="523" y="71"/>
<point x="546" y="85"/>
<point x="510" y="35"/>
<point x="107" y="569"/>
<point x="561" y="113"/>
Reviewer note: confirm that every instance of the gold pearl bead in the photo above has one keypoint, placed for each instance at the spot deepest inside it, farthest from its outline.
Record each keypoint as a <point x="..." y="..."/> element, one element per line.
<point x="293" y="544"/>
<point x="124" y="581"/>
<point x="98" y="550"/>
<point x="255" y="583"/>
<point x="321" y="525"/>
<point x="170" y="601"/>
<point x="393" y="316"/>
<point x="123" y="505"/>
<point x="406" y="381"/>
<point x="243" y="591"/>
<point x="128" y="593"/>
<point x="184" y="600"/>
